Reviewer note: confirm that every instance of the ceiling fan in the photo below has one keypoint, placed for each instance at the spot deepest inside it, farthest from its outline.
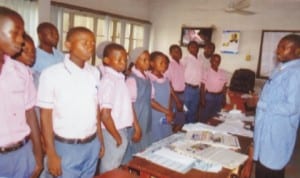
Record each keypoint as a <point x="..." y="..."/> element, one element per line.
<point x="238" y="6"/>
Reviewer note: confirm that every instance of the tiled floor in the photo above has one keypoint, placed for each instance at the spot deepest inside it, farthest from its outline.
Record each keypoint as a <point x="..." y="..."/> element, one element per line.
<point x="293" y="168"/>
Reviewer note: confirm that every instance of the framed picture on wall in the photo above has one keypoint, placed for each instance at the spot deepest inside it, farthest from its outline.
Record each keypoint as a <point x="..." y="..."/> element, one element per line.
<point x="230" y="41"/>
<point x="199" y="34"/>
<point x="267" y="56"/>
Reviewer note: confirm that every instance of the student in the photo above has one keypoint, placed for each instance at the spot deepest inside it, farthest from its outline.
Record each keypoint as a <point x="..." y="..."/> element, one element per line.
<point x="277" y="113"/>
<point x="208" y="51"/>
<point x="27" y="54"/>
<point x="162" y="115"/>
<point x="67" y="96"/>
<point x="140" y="89"/>
<point x="46" y="53"/>
<point x="20" y="147"/>
<point x="175" y="74"/>
<point x="213" y="89"/>
<point x="192" y="76"/>
<point x="116" y="110"/>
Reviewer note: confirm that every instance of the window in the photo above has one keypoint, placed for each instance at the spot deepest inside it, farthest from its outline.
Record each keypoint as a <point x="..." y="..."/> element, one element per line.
<point x="126" y="32"/>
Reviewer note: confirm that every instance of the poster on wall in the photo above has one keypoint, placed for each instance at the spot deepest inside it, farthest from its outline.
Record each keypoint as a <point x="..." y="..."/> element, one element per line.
<point x="230" y="41"/>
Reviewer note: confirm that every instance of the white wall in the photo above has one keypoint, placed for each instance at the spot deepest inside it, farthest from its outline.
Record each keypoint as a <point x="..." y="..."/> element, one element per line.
<point x="168" y="16"/>
<point x="130" y="8"/>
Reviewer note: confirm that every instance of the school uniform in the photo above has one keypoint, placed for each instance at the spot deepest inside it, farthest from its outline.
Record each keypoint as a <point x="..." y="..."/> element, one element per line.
<point x="175" y="74"/>
<point x="162" y="91"/>
<point x="140" y="88"/>
<point x="113" y="94"/>
<point x="214" y="96"/>
<point x="71" y="93"/>
<point x="192" y="76"/>
<point x="18" y="94"/>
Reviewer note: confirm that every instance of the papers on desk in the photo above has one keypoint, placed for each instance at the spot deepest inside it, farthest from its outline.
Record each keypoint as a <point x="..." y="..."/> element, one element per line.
<point x="216" y="139"/>
<point x="215" y="155"/>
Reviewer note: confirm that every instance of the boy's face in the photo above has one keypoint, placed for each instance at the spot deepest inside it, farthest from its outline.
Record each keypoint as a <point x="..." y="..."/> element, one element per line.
<point x="27" y="56"/>
<point x="176" y="54"/>
<point x="286" y="51"/>
<point x="81" y="46"/>
<point x="193" y="49"/>
<point x="215" y="62"/>
<point x="11" y="35"/>
<point x="49" y="36"/>
<point x="209" y="50"/>
<point x="160" y="64"/>
<point x="143" y="61"/>
<point x="117" y="60"/>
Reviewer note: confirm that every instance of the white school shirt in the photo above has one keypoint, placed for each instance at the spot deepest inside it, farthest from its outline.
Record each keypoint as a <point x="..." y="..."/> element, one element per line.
<point x="71" y="93"/>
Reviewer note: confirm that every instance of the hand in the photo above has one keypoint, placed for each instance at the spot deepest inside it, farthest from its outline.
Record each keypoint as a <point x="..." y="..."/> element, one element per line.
<point x="54" y="165"/>
<point x="37" y="171"/>
<point x="169" y="116"/>
<point x="118" y="140"/>
<point x="179" y="106"/>
<point x="102" y="151"/>
<point x="137" y="135"/>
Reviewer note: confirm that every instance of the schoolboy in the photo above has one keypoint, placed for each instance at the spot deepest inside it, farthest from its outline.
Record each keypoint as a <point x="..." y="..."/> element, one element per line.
<point x="175" y="74"/>
<point x="192" y="76"/>
<point x="208" y="51"/>
<point x="116" y="113"/>
<point x="213" y="89"/>
<point x="277" y="113"/>
<point x="46" y="53"/>
<point x="19" y="157"/>
<point x="67" y="96"/>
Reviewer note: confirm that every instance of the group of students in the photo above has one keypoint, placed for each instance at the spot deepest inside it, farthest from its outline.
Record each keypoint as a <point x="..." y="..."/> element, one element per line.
<point x="75" y="113"/>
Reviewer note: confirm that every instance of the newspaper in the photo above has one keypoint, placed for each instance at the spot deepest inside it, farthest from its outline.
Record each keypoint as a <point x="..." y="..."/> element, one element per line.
<point x="217" y="139"/>
<point x="216" y="155"/>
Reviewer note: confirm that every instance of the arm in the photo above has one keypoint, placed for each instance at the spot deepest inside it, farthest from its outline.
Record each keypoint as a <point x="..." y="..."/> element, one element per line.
<point x="36" y="141"/>
<point x="137" y="135"/>
<point x="54" y="161"/>
<point x="105" y="115"/>
<point x="155" y="105"/>
<point x="100" y="135"/>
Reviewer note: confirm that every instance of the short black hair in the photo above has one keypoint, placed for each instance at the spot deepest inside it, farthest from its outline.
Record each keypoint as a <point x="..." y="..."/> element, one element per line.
<point x="193" y="43"/>
<point x="294" y="38"/>
<point x="155" y="54"/>
<point x="110" y="47"/>
<point x="9" y="13"/>
<point x="44" y="25"/>
<point x="173" y="46"/>
<point x="75" y="30"/>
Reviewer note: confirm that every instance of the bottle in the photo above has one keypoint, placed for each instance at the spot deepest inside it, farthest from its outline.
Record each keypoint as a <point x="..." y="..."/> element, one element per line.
<point x="163" y="120"/>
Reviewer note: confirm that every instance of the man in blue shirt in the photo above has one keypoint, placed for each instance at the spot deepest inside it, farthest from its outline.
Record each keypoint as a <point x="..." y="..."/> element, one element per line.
<point x="278" y="112"/>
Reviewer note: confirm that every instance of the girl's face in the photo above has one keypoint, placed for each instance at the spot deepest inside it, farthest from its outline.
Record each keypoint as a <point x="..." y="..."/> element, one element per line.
<point x="160" y="64"/>
<point x="27" y="56"/>
<point x="143" y="61"/>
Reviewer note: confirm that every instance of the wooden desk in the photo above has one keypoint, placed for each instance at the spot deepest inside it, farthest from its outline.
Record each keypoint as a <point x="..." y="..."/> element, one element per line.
<point x="147" y="169"/>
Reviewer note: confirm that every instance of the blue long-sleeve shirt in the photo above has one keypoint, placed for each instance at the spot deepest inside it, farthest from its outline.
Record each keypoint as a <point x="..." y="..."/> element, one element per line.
<point x="277" y="116"/>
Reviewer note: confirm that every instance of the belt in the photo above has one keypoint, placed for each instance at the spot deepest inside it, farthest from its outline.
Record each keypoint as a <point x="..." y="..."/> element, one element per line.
<point x="75" y="141"/>
<point x="179" y="92"/>
<point x="192" y="86"/>
<point x="15" y="146"/>
<point x="215" y="93"/>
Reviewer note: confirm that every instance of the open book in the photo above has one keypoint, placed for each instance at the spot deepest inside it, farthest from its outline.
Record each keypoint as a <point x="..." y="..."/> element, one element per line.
<point x="216" y="139"/>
